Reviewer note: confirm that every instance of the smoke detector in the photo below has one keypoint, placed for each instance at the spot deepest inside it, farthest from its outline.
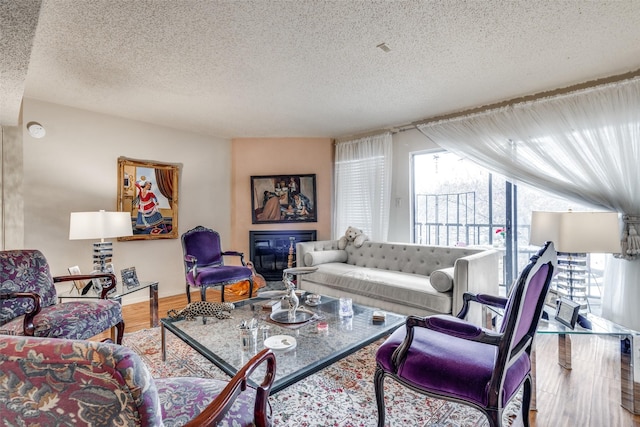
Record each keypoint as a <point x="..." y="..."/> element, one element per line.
<point x="36" y="130"/>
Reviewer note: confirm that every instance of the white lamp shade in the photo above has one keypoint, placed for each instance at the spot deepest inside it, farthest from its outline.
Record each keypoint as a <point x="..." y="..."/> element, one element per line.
<point x="577" y="232"/>
<point x="99" y="225"/>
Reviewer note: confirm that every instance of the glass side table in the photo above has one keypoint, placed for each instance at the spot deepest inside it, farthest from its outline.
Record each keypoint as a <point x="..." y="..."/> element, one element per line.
<point x="121" y="291"/>
<point x="629" y="353"/>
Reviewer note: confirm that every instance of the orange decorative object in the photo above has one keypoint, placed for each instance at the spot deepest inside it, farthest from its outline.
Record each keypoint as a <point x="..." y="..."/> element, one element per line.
<point x="242" y="288"/>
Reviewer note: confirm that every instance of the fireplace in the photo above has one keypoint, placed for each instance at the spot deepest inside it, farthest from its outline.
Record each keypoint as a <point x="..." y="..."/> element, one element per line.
<point x="269" y="250"/>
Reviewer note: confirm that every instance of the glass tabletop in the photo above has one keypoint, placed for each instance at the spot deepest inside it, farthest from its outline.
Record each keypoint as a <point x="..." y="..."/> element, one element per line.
<point x="120" y="292"/>
<point x="319" y="343"/>
<point x="597" y="325"/>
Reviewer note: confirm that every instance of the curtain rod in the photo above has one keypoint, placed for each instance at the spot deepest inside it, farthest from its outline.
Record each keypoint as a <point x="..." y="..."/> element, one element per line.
<point x="513" y="101"/>
<point x="533" y="97"/>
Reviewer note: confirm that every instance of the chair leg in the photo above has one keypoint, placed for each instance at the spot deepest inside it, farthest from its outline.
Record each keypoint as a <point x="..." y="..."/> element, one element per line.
<point x="120" y="332"/>
<point x="526" y="401"/>
<point x="222" y="294"/>
<point x="378" y="382"/>
<point x="495" y="418"/>
<point x="250" y="287"/>
<point x="188" y="294"/>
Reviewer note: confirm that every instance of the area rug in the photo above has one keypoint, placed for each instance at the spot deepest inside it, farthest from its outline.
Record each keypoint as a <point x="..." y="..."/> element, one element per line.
<point x="341" y="395"/>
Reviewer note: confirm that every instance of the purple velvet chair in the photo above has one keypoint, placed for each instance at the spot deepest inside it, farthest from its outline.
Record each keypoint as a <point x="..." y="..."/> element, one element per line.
<point x="29" y="303"/>
<point x="49" y="381"/>
<point x="449" y="358"/>
<point x="204" y="263"/>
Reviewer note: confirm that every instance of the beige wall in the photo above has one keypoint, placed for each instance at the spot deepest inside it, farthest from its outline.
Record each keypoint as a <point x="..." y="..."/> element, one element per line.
<point x="74" y="168"/>
<point x="273" y="156"/>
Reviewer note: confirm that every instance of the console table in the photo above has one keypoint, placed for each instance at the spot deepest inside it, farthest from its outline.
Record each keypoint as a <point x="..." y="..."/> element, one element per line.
<point x="629" y="353"/>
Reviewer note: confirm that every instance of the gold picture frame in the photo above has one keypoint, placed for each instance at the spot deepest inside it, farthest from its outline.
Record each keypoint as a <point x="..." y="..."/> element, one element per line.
<point x="148" y="190"/>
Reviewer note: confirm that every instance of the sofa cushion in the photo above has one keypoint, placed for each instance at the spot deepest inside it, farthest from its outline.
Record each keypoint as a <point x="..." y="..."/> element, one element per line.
<point x="409" y="290"/>
<point x="323" y="257"/>
<point x="442" y="280"/>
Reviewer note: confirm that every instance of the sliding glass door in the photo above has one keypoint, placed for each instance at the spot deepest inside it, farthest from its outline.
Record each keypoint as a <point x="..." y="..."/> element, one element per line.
<point x="457" y="203"/>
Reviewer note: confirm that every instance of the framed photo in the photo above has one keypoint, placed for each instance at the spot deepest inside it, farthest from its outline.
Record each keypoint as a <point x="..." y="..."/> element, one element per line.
<point x="130" y="278"/>
<point x="149" y="192"/>
<point x="78" y="285"/>
<point x="552" y="298"/>
<point x="283" y="198"/>
<point x="567" y="312"/>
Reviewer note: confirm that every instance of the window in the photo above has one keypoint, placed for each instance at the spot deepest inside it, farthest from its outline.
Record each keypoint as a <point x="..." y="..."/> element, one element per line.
<point x="457" y="203"/>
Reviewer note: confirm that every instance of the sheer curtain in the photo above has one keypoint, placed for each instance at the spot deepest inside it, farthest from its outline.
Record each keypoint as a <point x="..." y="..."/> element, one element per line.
<point x="584" y="146"/>
<point x="362" y="180"/>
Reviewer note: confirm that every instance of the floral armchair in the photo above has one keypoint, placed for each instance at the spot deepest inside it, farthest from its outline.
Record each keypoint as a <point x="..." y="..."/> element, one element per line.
<point x="50" y="381"/>
<point x="28" y="301"/>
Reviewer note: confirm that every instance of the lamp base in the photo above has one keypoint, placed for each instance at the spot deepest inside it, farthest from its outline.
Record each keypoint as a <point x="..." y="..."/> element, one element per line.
<point x="102" y="255"/>
<point x="571" y="281"/>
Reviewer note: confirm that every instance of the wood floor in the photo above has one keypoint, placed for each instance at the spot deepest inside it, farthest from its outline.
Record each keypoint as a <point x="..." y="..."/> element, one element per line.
<point x="587" y="395"/>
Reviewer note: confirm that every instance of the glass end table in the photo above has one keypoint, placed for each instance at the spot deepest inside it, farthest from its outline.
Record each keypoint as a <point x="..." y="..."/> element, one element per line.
<point x="629" y="352"/>
<point x="120" y="292"/>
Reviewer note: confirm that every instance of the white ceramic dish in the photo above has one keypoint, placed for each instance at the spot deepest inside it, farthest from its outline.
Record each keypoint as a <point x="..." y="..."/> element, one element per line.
<point x="280" y="342"/>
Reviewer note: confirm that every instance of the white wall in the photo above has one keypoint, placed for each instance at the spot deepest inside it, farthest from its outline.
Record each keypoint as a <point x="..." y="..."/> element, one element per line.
<point x="404" y="143"/>
<point x="74" y="168"/>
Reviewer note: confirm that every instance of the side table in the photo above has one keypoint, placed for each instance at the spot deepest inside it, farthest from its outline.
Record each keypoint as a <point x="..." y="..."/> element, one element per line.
<point x="121" y="291"/>
<point x="629" y="353"/>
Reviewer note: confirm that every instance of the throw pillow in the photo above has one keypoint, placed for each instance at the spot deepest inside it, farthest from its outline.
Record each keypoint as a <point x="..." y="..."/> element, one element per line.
<point x="442" y="280"/>
<point x="323" y="257"/>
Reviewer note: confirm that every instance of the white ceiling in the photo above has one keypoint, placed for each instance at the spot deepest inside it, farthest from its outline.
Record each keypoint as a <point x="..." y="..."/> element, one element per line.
<point x="302" y="68"/>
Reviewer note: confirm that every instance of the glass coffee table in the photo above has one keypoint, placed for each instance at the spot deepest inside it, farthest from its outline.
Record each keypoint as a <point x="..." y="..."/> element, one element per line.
<point x="316" y="344"/>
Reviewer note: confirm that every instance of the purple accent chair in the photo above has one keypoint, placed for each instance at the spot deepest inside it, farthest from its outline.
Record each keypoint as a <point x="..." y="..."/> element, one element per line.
<point x="29" y="303"/>
<point x="204" y="263"/>
<point x="50" y="381"/>
<point x="449" y="358"/>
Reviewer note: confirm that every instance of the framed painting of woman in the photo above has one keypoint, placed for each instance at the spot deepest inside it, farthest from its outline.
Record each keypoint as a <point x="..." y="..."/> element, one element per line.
<point x="148" y="190"/>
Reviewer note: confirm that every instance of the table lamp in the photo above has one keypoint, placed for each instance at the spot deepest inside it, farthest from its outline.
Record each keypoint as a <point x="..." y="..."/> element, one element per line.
<point x="100" y="225"/>
<point x="574" y="235"/>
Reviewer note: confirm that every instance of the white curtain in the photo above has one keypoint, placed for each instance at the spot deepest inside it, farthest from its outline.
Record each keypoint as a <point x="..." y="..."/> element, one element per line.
<point x="584" y="146"/>
<point x="362" y="183"/>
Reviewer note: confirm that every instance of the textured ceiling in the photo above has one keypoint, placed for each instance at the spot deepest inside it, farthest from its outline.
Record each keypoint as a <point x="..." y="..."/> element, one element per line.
<point x="309" y="67"/>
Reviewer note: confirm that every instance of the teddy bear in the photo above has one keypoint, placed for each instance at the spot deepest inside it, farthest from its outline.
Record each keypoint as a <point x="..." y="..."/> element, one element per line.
<point x="354" y="235"/>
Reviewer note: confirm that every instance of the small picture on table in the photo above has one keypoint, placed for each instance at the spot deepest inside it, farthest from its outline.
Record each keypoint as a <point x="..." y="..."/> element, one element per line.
<point x="567" y="312"/>
<point x="552" y="298"/>
<point x="78" y="285"/>
<point x="130" y="278"/>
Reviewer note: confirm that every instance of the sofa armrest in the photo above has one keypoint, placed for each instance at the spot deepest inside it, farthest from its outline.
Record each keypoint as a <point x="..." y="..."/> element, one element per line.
<point x="477" y="273"/>
<point x="303" y="248"/>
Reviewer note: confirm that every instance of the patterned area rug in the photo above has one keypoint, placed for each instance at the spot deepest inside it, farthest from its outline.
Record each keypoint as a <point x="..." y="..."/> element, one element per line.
<point x="341" y="395"/>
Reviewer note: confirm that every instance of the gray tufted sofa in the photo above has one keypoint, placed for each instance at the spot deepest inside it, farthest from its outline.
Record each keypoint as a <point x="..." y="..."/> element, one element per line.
<point x="399" y="277"/>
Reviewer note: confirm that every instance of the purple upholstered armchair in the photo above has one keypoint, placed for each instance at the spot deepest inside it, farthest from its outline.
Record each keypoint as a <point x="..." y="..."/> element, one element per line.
<point x="448" y="358"/>
<point x="29" y="304"/>
<point x="50" y="381"/>
<point x="204" y="263"/>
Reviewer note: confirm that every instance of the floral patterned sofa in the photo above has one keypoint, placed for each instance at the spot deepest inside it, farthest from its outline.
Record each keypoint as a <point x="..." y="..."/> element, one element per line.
<point x="51" y="381"/>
